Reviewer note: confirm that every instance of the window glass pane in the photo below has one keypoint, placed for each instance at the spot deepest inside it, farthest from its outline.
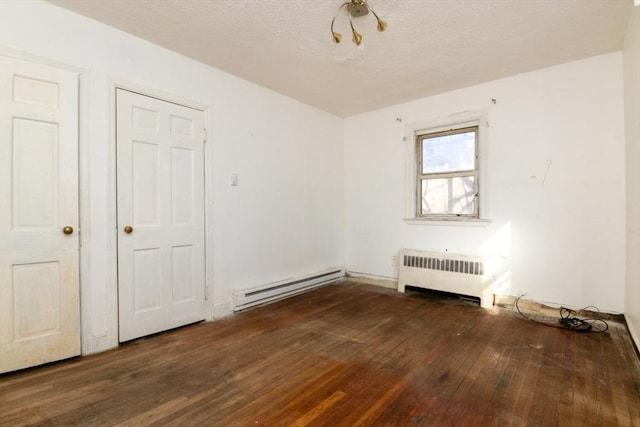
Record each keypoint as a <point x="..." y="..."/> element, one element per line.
<point x="449" y="153"/>
<point x="453" y="196"/>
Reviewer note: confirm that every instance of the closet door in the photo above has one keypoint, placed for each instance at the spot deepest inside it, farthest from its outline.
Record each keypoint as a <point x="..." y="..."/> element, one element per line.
<point x="160" y="174"/>
<point x="39" y="280"/>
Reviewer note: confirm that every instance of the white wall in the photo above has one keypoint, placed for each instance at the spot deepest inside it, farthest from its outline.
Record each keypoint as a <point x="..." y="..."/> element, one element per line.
<point x="563" y="235"/>
<point x="631" y="55"/>
<point x="284" y="219"/>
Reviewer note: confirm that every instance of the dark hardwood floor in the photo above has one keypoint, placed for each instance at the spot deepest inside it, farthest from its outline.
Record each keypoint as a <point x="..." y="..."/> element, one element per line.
<point x="343" y="355"/>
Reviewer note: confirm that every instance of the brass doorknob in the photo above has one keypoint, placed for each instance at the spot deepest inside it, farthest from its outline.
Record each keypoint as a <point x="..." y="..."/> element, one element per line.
<point x="128" y="229"/>
<point x="67" y="230"/>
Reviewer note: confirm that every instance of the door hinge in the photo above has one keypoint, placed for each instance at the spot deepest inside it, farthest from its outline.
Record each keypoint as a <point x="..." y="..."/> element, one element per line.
<point x="206" y="293"/>
<point x="204" y="135"/>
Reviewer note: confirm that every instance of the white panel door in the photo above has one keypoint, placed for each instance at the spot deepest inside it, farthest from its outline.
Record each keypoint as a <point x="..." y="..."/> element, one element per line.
<point x="161" y="281"/>
<point x="39" y="282"/>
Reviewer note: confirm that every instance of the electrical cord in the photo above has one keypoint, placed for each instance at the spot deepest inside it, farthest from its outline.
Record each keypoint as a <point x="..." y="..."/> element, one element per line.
<point x="568" y="320"/>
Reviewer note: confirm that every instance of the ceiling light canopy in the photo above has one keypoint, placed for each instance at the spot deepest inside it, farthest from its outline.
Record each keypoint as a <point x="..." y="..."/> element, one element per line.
<point x="355" y="9"/>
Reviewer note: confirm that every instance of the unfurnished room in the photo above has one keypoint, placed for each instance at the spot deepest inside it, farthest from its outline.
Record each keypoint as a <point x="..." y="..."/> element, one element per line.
<point x="320" y="213"/>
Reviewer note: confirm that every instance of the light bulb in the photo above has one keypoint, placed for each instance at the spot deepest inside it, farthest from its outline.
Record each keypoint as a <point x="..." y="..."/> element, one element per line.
<point x="357" y="37"/>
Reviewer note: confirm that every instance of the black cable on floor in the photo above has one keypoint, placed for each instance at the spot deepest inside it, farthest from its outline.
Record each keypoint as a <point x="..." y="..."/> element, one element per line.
<point x="568" y="320"/>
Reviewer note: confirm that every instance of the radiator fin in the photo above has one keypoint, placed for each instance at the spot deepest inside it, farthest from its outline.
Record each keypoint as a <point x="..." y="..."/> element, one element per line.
<point x="452" y="265"/>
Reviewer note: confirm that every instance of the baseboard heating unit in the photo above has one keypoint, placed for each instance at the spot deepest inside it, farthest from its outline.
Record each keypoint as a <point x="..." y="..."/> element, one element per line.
<point x="444" y="272"/>
<point x="276" y="290"/>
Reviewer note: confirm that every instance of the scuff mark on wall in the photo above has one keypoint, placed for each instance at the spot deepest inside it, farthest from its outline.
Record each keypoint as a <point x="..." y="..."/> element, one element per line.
<point x="546" y="172"/>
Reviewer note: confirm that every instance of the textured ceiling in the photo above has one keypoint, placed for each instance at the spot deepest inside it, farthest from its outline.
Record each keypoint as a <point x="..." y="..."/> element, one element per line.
<point x="430" y="46"/>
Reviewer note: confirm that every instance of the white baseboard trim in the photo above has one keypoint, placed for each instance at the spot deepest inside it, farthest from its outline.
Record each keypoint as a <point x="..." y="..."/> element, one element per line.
<point x="98" y="344"/>
<point x="634" y="334"/>
<point x="221" y="311"/>
<point x="372" y="279"/>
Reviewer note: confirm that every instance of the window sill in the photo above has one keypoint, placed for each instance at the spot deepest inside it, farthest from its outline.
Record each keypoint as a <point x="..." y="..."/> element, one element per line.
<point x="464" y="222"/>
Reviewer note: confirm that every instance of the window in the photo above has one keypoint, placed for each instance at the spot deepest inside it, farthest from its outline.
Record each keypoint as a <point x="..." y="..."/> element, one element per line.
<point x="447" y="176"/>
<point x="446" y="170"/>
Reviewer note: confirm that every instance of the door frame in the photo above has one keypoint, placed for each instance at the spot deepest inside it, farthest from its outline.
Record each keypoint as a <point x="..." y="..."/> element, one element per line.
<point x="115" y="84"/>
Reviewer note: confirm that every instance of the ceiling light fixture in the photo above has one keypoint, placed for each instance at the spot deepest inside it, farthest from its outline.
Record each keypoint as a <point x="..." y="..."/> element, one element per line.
<point x="355" y="9"/>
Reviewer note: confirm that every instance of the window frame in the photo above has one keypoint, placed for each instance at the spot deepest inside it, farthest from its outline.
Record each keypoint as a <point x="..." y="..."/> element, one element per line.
<point x="421" y="176"/>
<point x="449" y="122"/>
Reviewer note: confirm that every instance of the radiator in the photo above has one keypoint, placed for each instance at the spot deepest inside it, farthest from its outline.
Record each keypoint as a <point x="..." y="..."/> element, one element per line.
<point x="276" y="290"/>
<point x="458" y="274"/>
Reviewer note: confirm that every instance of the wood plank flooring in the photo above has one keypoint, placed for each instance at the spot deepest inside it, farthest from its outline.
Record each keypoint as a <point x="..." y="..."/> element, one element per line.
<point x="343" y="355"/>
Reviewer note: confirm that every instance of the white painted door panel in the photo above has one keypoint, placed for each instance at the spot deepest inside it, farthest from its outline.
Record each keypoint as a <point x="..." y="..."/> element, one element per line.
<point x="161" y="281"/>
<point x="39" y="281"/>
